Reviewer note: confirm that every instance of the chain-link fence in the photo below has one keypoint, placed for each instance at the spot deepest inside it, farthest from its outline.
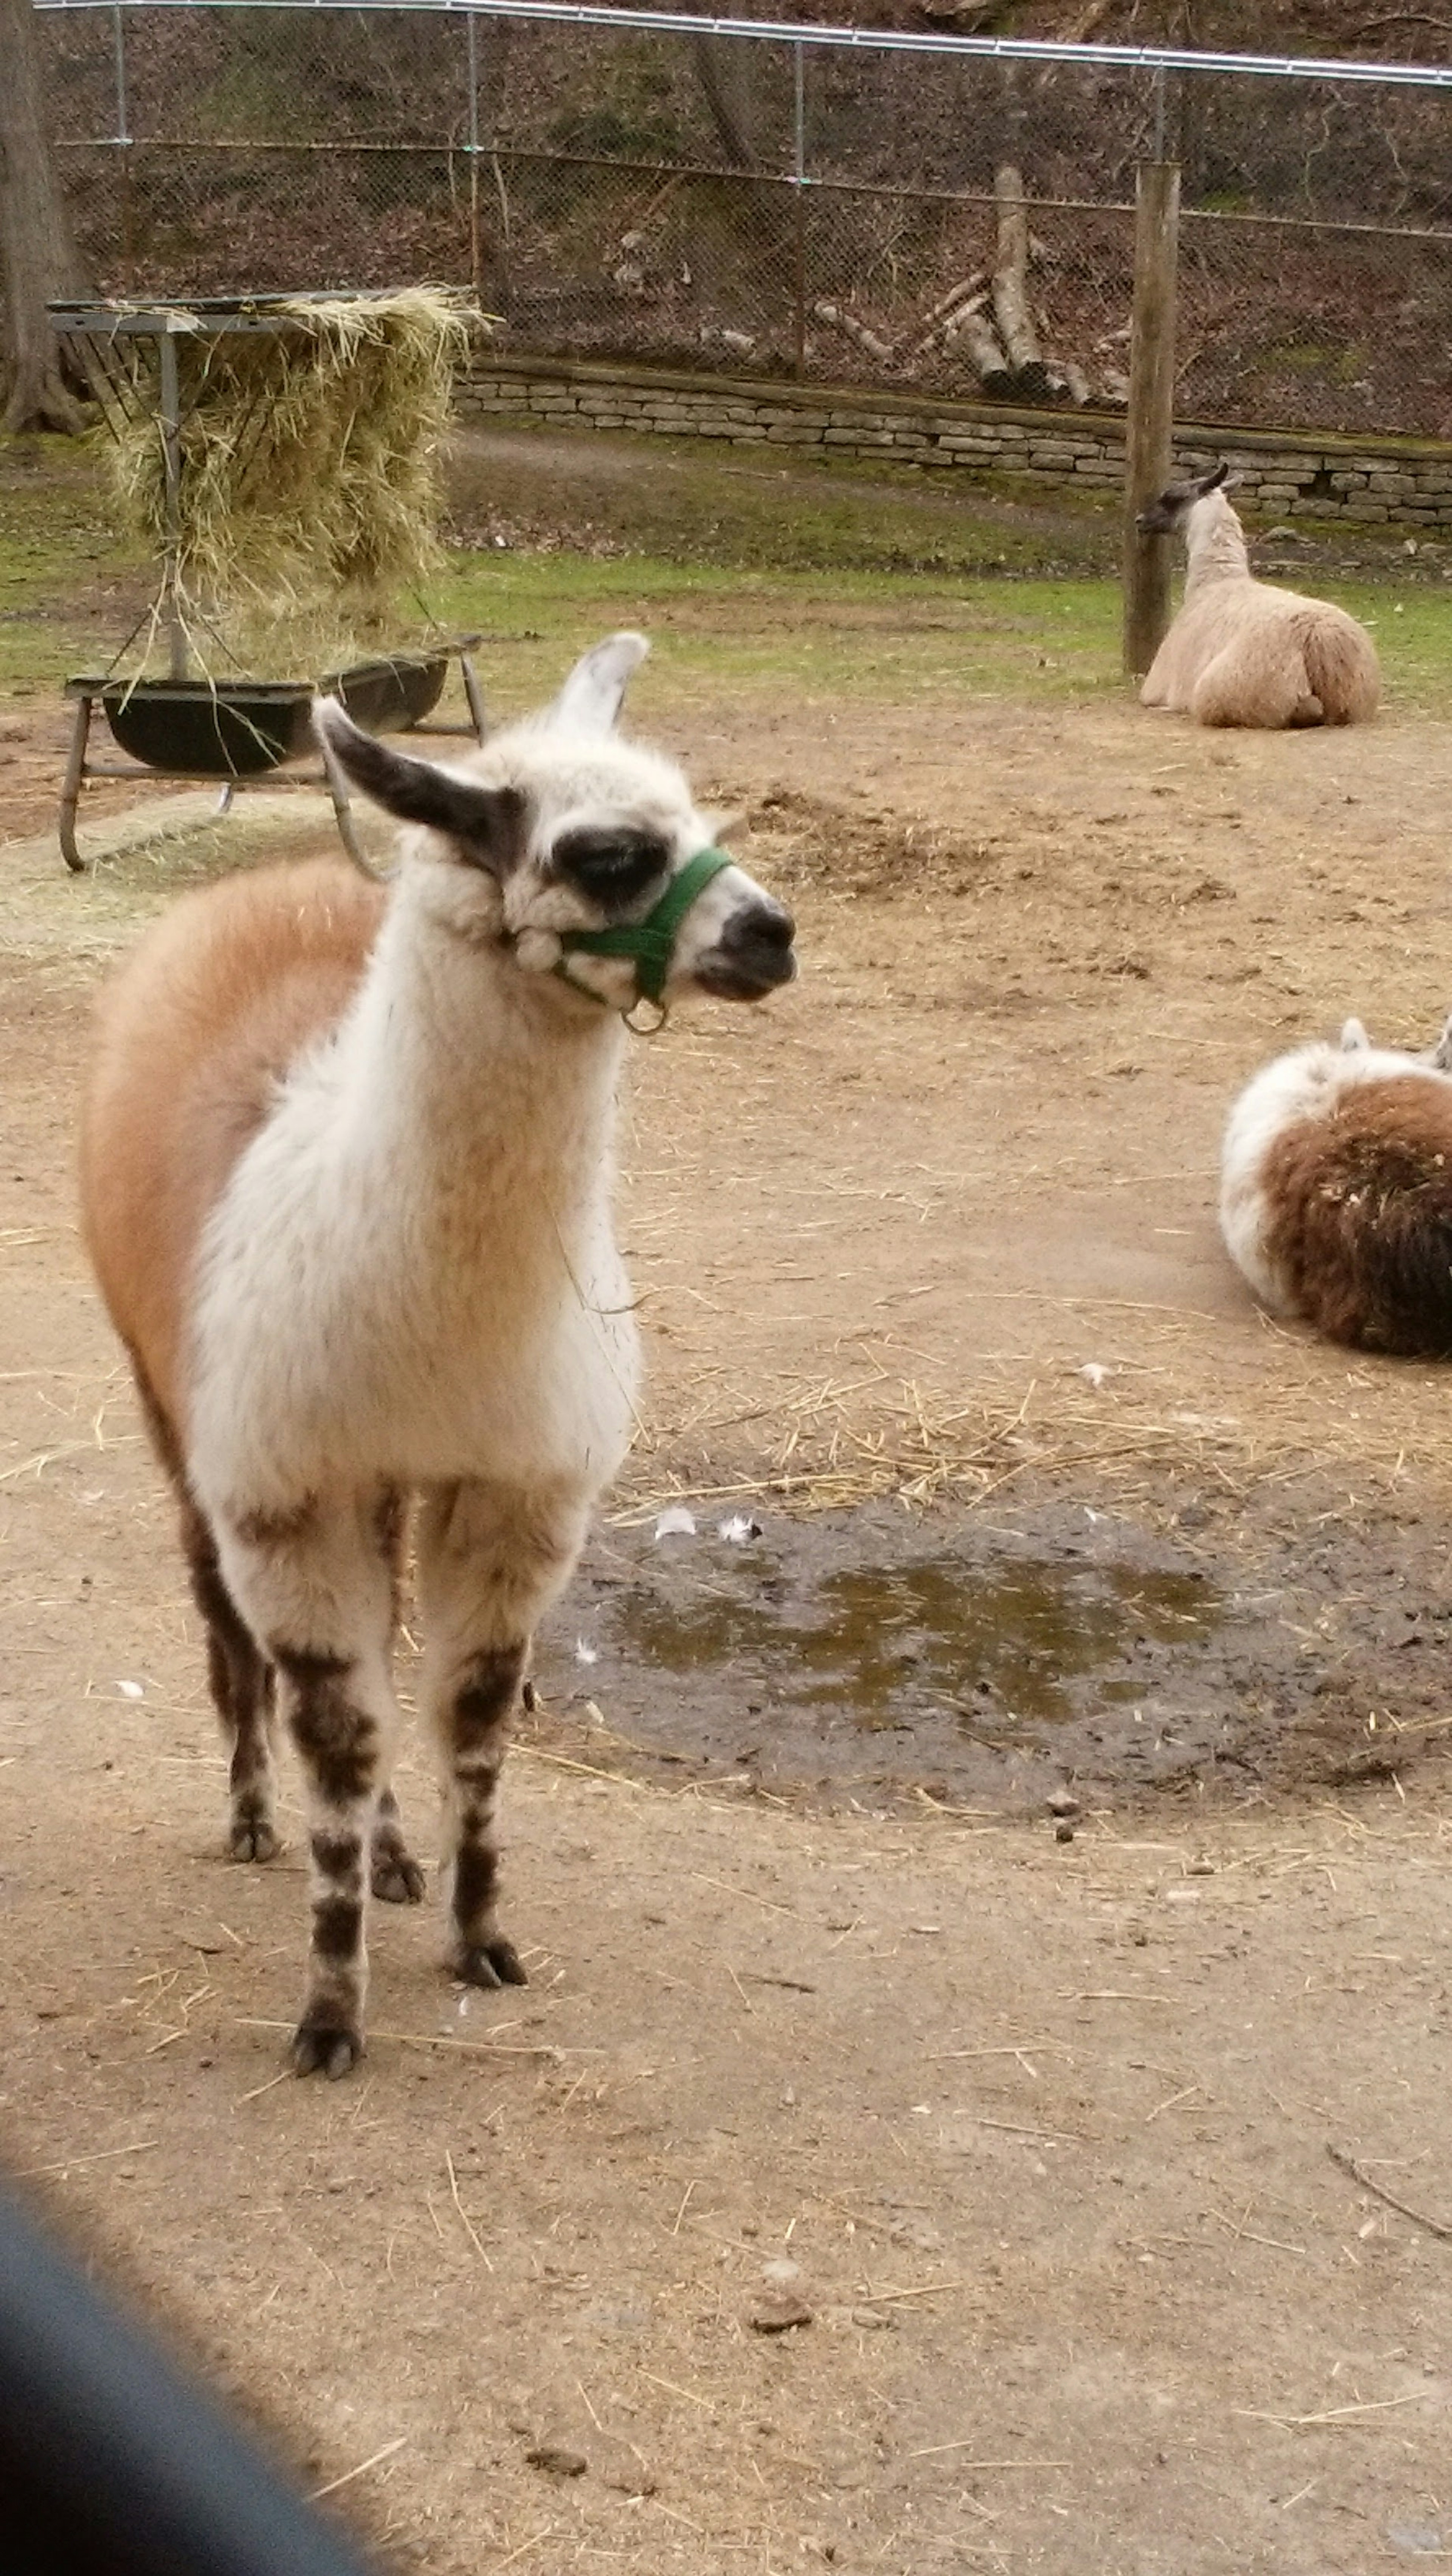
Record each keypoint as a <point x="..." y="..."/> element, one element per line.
<point x="749" y="202"/>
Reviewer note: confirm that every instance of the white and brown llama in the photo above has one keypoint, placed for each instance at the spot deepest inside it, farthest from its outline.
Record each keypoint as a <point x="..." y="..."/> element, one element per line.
<point x="1242" y="652"/>
<point x="347" y="1169"/>
<point x="1336" y="1191"/>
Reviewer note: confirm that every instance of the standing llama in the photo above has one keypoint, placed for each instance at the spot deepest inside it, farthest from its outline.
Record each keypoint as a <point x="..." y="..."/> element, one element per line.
<point x="1336" y="1192"/>
<point x="346" y="1169"/>
<point x="1240" y="651"/>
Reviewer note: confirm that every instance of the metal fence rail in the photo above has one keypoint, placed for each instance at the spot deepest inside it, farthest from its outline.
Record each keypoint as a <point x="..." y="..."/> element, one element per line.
<point x="747" y="197"/>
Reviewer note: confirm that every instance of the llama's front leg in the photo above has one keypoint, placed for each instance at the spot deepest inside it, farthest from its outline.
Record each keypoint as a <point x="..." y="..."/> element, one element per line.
<point x="314" y="1584"/>
<point x="490" y="1562"/>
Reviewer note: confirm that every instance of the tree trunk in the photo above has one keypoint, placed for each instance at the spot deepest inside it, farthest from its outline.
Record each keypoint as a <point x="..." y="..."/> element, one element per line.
<point x="1010" y="287"/>
<point x="720" y="74"/>
<point x="37" y="250"/>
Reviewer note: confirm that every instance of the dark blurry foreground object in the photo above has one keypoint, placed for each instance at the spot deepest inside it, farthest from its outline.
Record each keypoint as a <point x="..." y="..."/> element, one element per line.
<point x="112" y="2463"/>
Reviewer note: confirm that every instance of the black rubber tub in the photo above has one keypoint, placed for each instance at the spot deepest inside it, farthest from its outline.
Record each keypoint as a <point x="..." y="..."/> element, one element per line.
<point x="226" y="729"/>
<point x="389" y="696"/>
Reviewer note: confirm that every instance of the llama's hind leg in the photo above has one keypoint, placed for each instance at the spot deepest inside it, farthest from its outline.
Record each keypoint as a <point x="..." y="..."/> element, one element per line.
<point x="315" y="1585"/>
<point x="1257" y="680"/>
<point x="243" y="1690"/>
<point x="491" y="1559"/>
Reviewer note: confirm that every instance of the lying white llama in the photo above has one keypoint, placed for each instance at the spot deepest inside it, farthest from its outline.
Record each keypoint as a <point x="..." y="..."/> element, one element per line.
<point x="1336" y="1191"/>
<point x="346" y="1177"/>
<point x="1240" y="651"/>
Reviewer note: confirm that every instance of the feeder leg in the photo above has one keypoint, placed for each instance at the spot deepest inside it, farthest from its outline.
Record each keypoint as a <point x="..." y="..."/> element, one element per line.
<point x="343" y="813"/>
<point x="474" y="693"/>
<point x="71" y="787"/>
<point x="224" y="801"/>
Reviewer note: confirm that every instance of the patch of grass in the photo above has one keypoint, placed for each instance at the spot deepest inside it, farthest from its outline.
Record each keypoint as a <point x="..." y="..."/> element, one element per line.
<point x="64" y="570"/>
<point x="762" y="507"/>
<point x="853" y="635"/>
<point x="751" y="576"/>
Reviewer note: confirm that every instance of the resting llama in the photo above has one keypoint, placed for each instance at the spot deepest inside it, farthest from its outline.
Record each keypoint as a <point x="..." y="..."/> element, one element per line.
<point x="1336" y="1191"/>
<point x="346" y="1172"/>
<point x="1240" y="651"/>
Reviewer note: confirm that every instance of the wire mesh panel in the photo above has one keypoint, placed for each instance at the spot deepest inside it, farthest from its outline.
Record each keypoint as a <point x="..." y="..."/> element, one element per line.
<point x="817" y="210"/>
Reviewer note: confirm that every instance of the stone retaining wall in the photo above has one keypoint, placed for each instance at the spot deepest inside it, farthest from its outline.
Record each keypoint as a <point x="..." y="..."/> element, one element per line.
<point x="1407" y="480"/>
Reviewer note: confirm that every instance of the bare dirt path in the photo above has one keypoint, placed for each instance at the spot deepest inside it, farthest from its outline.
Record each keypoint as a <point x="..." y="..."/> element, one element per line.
<point x="1042" y="2128"/>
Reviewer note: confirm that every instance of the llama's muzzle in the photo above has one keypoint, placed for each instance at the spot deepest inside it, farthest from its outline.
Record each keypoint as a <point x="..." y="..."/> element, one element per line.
<point x="753" y="955"/>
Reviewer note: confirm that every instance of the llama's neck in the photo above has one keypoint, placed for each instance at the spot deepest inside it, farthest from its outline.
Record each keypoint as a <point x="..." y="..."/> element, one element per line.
<point x="1216" y="544"/>
<point x="476" y="1100"/>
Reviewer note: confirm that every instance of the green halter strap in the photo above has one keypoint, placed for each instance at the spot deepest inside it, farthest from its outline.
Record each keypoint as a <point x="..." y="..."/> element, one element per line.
<point x="650" y="942"/>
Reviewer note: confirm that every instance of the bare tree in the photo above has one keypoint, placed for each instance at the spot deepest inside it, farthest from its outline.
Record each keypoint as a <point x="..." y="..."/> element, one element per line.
<point x="37" y="248"/>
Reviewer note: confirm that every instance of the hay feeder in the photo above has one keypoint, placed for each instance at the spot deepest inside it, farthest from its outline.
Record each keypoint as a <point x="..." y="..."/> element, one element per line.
<point x="278" y="452"/>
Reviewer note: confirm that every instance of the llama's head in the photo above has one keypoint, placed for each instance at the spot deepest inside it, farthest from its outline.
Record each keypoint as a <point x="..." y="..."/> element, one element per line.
<point x="582" y="854"/>
<point x="1171" y="512"/>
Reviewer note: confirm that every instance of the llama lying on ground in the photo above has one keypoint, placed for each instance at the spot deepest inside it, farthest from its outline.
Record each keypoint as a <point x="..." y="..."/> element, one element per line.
<point x="346" y="1175"/>
<point x="1242" y="652"/>
<point x="1336" y="1191"/>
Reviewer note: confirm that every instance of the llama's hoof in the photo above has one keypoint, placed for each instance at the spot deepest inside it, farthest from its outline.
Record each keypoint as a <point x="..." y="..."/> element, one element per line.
<point x="323" y="2047"/>
<point x="490" y="1963"/>
<point x="397" y="1878"/>
<point x="252" y="1838"/>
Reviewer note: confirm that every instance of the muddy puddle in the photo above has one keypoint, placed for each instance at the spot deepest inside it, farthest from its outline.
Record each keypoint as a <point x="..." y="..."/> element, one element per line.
<point x="870" y="1651"/>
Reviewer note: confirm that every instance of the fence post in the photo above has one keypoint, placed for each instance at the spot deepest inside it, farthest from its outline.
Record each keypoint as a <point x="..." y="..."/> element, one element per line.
<point x="1150" y="425"/>
<point x="473" y="62"/>
<point x="799" y="204"/>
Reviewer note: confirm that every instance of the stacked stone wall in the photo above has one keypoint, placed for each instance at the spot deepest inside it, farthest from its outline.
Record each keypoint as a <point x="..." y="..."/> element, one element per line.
<point x="1406" y="481"/>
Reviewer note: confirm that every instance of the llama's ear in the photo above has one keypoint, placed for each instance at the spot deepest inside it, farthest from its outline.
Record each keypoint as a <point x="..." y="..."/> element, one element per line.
<point x="484" y="820"/>
<point x="1354" y="1040"/>
<point x="1442" y="1051"/>
<point x="591" y="698"/>
<point x="1219" y="481"/>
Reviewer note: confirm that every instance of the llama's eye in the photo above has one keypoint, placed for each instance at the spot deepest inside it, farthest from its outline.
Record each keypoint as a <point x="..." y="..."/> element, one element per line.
<point x="611" y="866"/>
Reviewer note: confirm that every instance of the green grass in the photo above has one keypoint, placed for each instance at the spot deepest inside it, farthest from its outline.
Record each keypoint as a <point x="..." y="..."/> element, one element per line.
<point x="749" y="578"/>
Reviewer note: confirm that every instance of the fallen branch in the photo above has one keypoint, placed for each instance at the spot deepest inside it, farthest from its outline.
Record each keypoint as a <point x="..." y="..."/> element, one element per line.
<point x="857" y="332"/>
<point x="1358" y="2173"/>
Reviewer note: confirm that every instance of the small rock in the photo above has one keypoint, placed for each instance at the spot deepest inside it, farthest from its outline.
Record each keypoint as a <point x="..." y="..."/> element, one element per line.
<point x="873" y="2318"/>
<point x="559" y="2462"/>
<point x="781" y="2274"/>
<point x="1200" y="1869"/>
<point x="779" y="2314"/>
<point x="1063" y="1831"/>
<point x="1062" y="1802"/>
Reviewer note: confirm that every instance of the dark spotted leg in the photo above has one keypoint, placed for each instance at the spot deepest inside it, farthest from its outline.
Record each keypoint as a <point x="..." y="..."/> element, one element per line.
<point x="478" y="1723"/>
<point x="397" y="1877"/>
<point x="242" y="1687"/>
<point x="490" y="1560"/>
<point x="314" y="1583"/>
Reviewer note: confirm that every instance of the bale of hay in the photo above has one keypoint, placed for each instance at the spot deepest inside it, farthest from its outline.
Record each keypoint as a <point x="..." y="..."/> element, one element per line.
<point x="308" y="500"/>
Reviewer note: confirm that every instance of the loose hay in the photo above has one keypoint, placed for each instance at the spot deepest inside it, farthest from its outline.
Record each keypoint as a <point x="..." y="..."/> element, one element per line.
<point x="309" y="495"/>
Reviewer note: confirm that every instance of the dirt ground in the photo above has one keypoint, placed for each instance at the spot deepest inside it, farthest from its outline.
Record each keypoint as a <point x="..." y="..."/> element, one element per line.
<point x="1036" y="2133"/>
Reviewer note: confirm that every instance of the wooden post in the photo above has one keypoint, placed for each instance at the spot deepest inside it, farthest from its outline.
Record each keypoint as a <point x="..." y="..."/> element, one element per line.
<point x="1150" y="425"/>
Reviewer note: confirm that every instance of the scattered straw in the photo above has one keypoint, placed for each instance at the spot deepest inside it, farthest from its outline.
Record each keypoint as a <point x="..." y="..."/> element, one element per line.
<point x="346" y="2480"/>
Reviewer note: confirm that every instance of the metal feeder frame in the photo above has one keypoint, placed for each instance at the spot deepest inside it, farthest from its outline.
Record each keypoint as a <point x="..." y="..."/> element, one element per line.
<point x="88" y="332"/>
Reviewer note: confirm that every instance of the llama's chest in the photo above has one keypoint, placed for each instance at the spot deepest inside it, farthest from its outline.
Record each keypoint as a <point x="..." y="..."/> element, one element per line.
<point x="341" y="1335"/>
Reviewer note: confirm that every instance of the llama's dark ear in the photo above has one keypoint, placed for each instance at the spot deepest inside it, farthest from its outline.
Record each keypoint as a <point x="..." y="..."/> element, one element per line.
<point x="1217" y="481"/>
<point x="591" y="698"/>
<point x="483" y="820"/>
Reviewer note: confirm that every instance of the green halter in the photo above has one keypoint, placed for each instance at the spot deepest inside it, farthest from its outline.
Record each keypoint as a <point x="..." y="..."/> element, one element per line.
<point x="650" y="942"/>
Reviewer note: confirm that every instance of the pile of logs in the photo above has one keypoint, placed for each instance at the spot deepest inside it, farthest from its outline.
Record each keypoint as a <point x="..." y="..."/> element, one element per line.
<point x="988" y="319"/>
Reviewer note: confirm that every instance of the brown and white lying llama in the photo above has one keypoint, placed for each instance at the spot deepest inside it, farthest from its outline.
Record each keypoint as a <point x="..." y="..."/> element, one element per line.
<point x="347" y="1179"/>
<point x="1336" y="1191"/>
<point x="1240" y="651"/>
